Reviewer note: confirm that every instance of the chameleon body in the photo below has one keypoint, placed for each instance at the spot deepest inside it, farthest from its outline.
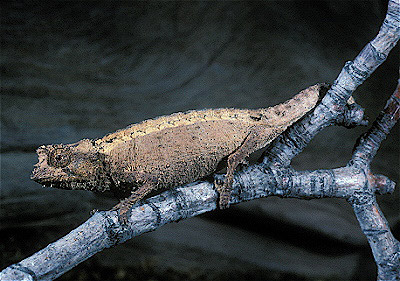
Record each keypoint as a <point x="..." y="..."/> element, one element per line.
<point x="169" y="150"/>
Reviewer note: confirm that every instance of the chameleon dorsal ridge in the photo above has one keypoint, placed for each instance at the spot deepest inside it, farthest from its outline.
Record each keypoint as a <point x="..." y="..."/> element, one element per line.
<point x="169" y="150"/>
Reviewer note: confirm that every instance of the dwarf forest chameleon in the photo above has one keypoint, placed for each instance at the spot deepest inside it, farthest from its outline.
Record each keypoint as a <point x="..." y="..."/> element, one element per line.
<point x="169" y="150"/>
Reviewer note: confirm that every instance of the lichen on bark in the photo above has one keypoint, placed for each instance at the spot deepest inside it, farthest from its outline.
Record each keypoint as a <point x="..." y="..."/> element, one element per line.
<point x="354" y="182"/>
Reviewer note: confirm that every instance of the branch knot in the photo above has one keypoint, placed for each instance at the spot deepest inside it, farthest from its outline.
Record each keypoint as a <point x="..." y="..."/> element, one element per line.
<point x="352" y="116"/>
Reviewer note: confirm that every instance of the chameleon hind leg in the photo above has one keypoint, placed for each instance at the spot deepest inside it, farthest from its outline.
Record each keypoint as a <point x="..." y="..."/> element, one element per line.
<point x="148" y="185"/>
<point x="250" y="144"/>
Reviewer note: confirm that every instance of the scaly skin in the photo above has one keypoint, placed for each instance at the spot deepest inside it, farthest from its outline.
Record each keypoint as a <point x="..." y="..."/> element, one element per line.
<point x="169" y="150"/>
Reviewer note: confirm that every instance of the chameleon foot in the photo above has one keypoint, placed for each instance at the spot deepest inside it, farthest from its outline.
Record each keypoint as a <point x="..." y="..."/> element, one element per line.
<point x="224" y="197"/>
<point x="123" y="208"/>
<point x="224" y="201"/>
<point x="224" y="191"/>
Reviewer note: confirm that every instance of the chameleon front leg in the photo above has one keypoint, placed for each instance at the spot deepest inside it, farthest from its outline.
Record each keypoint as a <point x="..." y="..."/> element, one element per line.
<point x="249" y="145"/>
<point x="148" y="185"/>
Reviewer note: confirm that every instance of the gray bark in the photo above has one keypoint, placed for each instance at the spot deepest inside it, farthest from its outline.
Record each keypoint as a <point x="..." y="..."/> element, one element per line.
<point x="274" y="176"/>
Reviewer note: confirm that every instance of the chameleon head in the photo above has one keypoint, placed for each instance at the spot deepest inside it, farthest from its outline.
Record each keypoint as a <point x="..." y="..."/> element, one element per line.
<point x="71" y="166"/>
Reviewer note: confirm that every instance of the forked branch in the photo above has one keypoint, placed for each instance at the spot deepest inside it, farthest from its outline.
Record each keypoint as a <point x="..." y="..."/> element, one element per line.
<point x="274" y="176"/>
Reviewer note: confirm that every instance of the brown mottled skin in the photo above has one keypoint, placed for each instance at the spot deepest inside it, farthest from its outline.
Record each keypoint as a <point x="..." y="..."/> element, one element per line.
<point x="169" y="150"/>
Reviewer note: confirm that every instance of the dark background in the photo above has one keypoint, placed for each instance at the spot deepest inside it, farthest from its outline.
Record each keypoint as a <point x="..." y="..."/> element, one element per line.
<point x="76" y="69"/>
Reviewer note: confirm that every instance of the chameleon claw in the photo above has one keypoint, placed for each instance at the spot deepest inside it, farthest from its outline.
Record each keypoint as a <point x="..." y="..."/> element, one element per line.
<point x="224" y="191"/>
<point x="224" y="200"/>
<point x="123" y="217"/>
<point x="123" y="208"/>
<point x="223" y="188"/>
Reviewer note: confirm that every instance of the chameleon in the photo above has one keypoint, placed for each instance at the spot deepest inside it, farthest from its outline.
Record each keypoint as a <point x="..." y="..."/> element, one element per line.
<point x="169" y="150"/>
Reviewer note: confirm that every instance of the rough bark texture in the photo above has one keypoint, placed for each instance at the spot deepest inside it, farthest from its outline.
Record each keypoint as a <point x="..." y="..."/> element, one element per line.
<point x="354" y="182"/>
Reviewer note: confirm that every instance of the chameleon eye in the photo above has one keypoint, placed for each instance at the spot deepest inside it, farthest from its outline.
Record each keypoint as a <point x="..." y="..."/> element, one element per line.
<point x="59" y="157"/>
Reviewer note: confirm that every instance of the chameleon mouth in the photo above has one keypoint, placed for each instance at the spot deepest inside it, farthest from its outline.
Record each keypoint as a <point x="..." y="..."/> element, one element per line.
<point x="50" y="177"/>
<point x="50" y="184"/>
<point x="68" y="185"/>
<point x="37" y="176"/>
<point x="42" y="177"/>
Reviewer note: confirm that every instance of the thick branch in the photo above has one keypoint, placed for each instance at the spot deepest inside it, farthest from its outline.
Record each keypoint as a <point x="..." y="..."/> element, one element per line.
<point x="369" y="143"/>
<point x="103" y="229"/>
<point x="273" y="177"/>
<point x="353" y="74"/>
<point x="385" y="248"/>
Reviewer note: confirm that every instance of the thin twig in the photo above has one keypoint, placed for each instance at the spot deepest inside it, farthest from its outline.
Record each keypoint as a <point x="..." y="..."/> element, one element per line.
<point x="274" y="176"/>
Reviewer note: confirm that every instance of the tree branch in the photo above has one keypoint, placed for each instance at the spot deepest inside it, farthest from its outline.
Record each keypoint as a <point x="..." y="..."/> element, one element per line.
<point x="353" y="74"/>
<point x="274" y="176"/>
<point x="369" y="143"/>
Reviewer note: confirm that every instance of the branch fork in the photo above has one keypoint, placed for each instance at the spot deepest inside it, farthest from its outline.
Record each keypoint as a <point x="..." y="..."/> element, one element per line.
<point x="273" y="176"/>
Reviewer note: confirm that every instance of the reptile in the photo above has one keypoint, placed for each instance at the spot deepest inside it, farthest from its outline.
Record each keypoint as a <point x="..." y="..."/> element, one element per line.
<point x="169" y="151"/>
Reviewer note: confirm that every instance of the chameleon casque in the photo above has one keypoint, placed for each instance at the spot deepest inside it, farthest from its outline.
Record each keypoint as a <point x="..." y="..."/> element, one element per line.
<point x="169" y="150"/>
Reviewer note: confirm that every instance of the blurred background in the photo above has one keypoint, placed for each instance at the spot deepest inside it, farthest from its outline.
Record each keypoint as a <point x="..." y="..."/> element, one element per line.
<point x="81" y="69"/>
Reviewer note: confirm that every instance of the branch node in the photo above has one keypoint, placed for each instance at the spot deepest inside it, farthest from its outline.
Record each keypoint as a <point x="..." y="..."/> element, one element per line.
<point x="374" y="231"/>
<point x="383" y="185"/>
<point x="352" y="116"/>
<point x="116" y="231"/>
<point x="28" y="273"/>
